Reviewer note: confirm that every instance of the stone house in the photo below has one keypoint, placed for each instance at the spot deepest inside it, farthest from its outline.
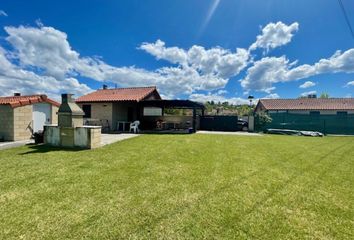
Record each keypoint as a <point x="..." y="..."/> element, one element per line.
<point x="20" y="116"/>
<point x="114" y="109"/>
<point x="109" y="106"/>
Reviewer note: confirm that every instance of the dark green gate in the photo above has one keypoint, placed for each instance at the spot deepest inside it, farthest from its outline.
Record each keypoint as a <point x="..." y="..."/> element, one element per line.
<point x="218" y="123"/>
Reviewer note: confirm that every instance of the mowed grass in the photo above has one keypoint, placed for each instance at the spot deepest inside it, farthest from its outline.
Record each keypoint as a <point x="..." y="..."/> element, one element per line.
<point x="181" y="187"/>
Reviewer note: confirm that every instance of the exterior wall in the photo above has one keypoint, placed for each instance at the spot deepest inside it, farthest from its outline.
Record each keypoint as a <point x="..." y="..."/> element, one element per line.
<point x="22" y="123"/>
<point x="6" y="123"/>
<point x="54" y="114"/>
<point x="322" y="112"/>
<point x="102" y="111"/>
<point x="95" y="137"/>
<point x="16" y="123"/>
<point x="120" y="112"/>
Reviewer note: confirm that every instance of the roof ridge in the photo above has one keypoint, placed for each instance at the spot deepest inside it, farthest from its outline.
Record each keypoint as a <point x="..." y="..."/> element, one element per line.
<point x="272" y="99"/>
<point x="21" y="96"/>
<point x="126" y="88"/>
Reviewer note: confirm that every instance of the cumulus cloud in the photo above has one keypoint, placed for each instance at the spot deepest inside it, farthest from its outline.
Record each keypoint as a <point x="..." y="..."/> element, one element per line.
<point x="216" y="61"/>
<point x="272" y="96"/>
<point x="307" y="84"/>
<point x="48" y="51"/>
<point x="14" y="79"/>
<point x="275" y="35"/>
<point x="269" y="70"/>
<point x="305" y="94"/>
<point x="3" y="13"/>
<point x="351" y="83"/>
<point x="221" y="92"/>
<point x="199" y="97"/>
<point x="42" y="59"/>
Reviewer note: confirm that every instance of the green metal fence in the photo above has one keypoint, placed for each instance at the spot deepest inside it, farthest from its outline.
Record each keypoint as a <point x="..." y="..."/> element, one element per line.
<point x="218" y="123"/>
<point x="327" y="124"/>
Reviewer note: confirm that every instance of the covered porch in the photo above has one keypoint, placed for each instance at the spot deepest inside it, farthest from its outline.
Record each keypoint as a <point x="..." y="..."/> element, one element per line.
<point x="159" y="116"/>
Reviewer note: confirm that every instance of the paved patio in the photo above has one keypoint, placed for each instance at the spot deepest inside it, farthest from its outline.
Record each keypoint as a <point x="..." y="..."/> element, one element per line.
<point x="6" y="145"/>
<point x="230" y="133"/>
<point x="111" y="138"/>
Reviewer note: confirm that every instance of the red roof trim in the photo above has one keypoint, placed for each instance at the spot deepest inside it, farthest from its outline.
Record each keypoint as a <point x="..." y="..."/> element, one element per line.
<point x="119" y="95"/>
<point x="19" y="101"/>
<point x="308" y="104"/>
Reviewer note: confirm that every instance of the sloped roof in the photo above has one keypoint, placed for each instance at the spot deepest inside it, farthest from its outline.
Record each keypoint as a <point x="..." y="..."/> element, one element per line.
<point x="119" y="94"/>
<point x="18" y="101"/>
<point x="308" y="104"/>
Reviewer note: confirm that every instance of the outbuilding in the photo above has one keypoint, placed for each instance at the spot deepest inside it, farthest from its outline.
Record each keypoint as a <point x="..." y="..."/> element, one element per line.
<point x="20" y="116"/>
<point x="326" y="115"/>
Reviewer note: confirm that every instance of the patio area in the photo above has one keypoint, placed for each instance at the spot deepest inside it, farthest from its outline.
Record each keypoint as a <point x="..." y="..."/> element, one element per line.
<point x="112" y="138"/>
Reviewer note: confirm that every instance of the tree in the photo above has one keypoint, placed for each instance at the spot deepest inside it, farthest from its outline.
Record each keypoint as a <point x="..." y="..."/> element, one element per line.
<point x="324" y="95"/>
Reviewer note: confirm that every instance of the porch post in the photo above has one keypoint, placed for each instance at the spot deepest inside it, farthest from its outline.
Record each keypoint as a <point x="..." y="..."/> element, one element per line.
<point x="194" y="119"/>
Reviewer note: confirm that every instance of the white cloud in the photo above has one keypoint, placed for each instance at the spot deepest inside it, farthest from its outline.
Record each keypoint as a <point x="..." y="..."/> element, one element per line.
<point x="14" y="79"/>
<point x="199" y="97"/>
<point x="48" y="51"/>
<point x="305" y="94"/>
<point x="351" y="83"/>
<point x="272" y="96"/>
<point x="269" y="70"/>
<point x="275" y="35"/>
<point x="3" y="13"/>
<point x="307" y="84"/>
<point x="171" y="54"/>
<point x="41" y="57"/>
<point x="222" y="92"/>
<point x="215" y="61"/>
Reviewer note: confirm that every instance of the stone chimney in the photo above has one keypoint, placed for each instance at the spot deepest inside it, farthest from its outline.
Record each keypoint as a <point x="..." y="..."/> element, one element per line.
<point x="17" y="94"/>
<point x="69" y="113"/>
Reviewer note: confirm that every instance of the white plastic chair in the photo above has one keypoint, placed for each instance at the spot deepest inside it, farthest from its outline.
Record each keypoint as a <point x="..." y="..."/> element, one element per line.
<point x="134" y="126"/>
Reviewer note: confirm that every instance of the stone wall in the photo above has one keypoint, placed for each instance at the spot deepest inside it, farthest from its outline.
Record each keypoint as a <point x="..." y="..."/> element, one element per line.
<point x="102" y="111"/>
<point x="22" y="123"/>
<point x="82" y="137"/>
<point x="54" y="114"/>
<point x="95" y="137"/>
<point x="6" y="122"/>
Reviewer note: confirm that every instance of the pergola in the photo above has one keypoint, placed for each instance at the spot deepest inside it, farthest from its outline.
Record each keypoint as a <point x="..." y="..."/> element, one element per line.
<point x="177" y="104"/>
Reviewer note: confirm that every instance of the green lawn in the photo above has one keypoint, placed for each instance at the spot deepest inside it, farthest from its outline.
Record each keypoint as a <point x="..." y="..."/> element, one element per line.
<point x="181" y="187"/>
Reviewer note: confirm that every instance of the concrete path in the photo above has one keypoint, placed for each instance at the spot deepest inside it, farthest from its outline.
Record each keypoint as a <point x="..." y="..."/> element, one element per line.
<point x="6" y="145"/>
<point x="111" y="138"/>
<point x="230" y="133"/>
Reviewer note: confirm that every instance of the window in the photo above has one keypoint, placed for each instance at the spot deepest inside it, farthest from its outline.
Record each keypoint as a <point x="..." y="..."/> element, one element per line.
<point x="314" y="113"/>
<point x="152" y="111"/>
<point x="342" y="113"/>
<point x="87" y="111"/>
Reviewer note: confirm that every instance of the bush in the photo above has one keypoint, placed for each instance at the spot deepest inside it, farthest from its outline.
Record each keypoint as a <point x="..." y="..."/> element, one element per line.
<point x="262" y="119"/>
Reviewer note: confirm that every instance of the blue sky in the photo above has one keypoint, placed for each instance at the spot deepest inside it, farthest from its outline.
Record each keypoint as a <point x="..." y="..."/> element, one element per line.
<point x="188" y="49"/>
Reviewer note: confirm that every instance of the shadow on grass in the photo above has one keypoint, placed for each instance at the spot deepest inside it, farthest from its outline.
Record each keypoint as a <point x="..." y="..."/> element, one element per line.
<point x="42" y="148"/>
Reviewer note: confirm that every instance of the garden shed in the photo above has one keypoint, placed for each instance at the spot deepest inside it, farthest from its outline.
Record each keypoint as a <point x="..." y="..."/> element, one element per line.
<point x="20" y="116"/>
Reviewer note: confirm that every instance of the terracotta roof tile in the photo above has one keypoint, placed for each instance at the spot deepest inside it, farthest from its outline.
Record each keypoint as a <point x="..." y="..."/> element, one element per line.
<point x="18" y="101"/>
<point x="308" y="104"/>
<point x="118" y="94"/>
